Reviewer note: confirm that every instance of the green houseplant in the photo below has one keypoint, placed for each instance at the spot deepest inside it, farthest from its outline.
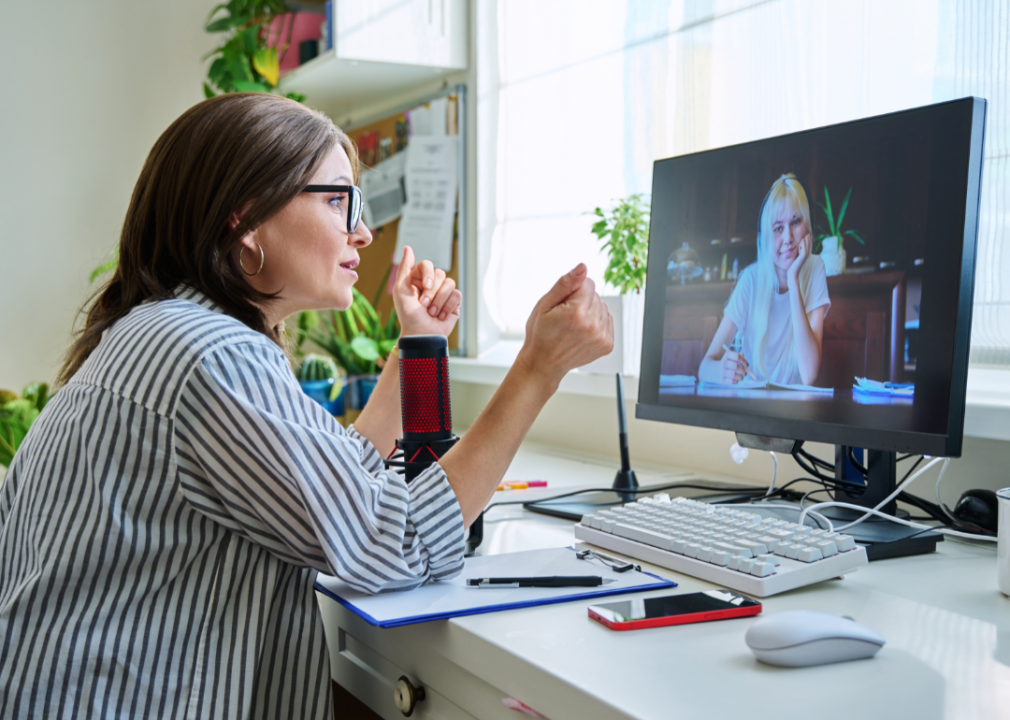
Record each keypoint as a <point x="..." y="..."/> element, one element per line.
<point x="246" y="61"/>
<point x="321" y="381"/>
<point x="624" y="232"/>
<point x="360" y="342"/>
<point x="829" y="244"/>
<point x="17" y="413"/>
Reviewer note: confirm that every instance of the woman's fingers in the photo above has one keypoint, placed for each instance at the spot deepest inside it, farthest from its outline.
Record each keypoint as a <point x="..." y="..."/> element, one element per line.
<point x="451" y="306"/>
<point x="443" y="291"/>
<point x="423" y="278"/>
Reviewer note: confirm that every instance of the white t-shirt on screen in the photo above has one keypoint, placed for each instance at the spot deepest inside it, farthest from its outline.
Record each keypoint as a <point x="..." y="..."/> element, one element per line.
<point x="779" y="364"/>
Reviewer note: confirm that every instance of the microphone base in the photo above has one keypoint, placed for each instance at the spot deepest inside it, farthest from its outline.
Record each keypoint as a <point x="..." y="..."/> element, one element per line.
<point x="626" y="480"/>
<point x="418" y="456"/>
<point x="475" y="537"/>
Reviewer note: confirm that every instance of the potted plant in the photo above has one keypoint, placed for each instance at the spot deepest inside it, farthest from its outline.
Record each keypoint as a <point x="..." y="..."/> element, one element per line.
<point x="249" y="57"/>
<point x="359" y="342"/>
<point x="624" y="232"/>
<point x="829" y="244"/>
<point x="321" y="381"/>
<point x="17" y="413"/>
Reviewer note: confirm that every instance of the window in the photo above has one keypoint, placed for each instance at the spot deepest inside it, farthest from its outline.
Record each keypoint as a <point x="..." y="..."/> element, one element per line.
<point x="576" y="98"/>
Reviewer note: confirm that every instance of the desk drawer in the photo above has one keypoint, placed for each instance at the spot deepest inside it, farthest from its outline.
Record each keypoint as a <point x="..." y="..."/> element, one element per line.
<point x="367" y="661"/>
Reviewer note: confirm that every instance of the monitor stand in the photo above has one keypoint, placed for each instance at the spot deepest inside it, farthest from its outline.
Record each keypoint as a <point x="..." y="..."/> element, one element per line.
<point x="883" y="538"/>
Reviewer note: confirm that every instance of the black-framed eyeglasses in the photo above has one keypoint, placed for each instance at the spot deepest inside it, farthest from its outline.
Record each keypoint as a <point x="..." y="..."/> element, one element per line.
<point x="353" y="205"/>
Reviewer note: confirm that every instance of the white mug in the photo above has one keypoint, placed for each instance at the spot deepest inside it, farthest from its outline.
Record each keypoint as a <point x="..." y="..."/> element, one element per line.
<point x="1003" y="549"/>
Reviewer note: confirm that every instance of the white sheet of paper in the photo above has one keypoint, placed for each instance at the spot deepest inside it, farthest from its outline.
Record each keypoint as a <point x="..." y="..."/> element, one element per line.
<point x="382" y="190"/>
<point x="452" y="597"/>
<point x="432" y="181"/>
<point x="430" y="120"/>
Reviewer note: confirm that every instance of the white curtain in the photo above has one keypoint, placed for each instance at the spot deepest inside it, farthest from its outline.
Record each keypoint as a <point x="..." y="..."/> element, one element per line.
<point x="588" y="93"/>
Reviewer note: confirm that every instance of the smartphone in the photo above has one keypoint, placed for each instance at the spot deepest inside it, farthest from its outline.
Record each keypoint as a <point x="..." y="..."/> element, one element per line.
<point x="674" y="610"/>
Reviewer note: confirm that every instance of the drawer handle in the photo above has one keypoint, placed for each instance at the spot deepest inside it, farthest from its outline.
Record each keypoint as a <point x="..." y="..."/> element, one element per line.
<point x="406" y="696"/>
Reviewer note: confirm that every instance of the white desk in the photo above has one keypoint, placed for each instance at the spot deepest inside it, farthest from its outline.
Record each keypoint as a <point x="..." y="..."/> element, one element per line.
<point x="946" y="624"/>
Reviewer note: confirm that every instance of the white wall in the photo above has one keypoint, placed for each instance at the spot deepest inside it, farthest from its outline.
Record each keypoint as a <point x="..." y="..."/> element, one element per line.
<point x="88" y="88"/>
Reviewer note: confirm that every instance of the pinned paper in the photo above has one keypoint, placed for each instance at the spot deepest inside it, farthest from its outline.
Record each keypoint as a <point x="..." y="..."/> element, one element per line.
<point x="432" y="181"/>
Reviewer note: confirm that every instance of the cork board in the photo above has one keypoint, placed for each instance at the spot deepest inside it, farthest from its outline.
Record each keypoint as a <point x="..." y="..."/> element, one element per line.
<point x="377" y="141"/>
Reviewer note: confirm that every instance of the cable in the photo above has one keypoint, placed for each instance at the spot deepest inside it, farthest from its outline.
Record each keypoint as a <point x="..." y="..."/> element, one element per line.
<point x="886" y="500"/>
<point x="775" y="474"/>
<point x="855" y="463"/>
<point x="815" y="515"/>
<point x="876" y="510"/>
<point x="943" y="508"/>
<point x="816" y="490"/>
<point x="644" y="490"/>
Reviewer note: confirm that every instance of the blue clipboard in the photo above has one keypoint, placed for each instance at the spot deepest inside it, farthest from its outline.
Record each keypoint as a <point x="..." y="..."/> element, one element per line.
<point x="452" y="598"/>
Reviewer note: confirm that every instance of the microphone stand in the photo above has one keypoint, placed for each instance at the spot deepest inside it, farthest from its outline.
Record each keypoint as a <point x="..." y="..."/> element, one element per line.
<point x="625" y="479"/>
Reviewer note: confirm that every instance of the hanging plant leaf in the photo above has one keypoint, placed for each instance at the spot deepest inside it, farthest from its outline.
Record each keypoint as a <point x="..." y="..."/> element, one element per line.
<point x="265" y="63"/>
<point x="250" y="86"/>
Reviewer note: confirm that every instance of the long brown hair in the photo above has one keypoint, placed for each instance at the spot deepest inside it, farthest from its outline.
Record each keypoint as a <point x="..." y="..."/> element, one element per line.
<point x="249" y="153"/>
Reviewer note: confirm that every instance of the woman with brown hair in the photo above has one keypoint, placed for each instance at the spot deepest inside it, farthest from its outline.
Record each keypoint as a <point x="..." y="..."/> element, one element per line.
<point x="162" y="524"/>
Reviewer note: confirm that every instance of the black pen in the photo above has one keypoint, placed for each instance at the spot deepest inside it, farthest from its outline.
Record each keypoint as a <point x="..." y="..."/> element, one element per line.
<point x="553" y="581"/>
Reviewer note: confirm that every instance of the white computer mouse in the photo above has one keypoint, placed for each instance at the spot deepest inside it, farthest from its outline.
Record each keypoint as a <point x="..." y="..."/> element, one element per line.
<point x="797" y="638"/>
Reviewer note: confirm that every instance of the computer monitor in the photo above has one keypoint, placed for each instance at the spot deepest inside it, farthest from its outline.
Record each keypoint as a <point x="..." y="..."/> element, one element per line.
<point x="818" y="286"/>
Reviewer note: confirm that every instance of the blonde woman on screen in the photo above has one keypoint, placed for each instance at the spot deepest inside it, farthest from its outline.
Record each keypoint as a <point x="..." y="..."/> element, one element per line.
<point x="779" y="303"/>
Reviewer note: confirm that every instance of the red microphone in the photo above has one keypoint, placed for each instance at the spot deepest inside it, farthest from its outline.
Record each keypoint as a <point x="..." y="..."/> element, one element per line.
<point x="424" y="388"/>
<point x="426" y="412"/>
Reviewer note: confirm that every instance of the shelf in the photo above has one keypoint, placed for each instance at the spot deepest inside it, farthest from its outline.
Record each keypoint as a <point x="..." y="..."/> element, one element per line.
<point x="341" y="87"/>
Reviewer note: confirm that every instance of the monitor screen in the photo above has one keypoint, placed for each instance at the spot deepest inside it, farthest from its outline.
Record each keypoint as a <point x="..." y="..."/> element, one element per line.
<point x="818" y="286"/>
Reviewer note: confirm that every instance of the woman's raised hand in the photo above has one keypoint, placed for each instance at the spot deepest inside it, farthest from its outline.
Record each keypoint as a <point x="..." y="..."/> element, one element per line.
<point x="734" y="367"/>
<point x="801" y="257"/>
<point x="426" y="301"/>
<point x="569" y="327"/>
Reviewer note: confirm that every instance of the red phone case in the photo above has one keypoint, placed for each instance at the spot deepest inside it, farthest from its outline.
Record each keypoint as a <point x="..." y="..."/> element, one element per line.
<point x="678" y="619"/>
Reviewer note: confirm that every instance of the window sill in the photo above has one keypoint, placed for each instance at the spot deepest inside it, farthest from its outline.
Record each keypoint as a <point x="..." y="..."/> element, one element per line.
<point x="987" y="414"/>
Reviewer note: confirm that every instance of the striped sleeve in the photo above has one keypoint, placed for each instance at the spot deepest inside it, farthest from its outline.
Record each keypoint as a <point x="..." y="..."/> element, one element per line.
<point x="256" y="455"/>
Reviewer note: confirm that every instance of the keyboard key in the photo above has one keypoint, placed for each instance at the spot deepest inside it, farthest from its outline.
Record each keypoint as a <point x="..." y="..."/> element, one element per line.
<point x="720" y="558"/>
<point x="642" y="535"/>
<point x="809" y="554"/>
<point x="704" y="554"/>
<point x="691" y="550"/>
<point x="762" y="569"/>
<point x="827" y="548"/>
<point x="746" y="565"/>
<point x="770" y="542"/>
<point x="733" y="549"/>
<point x="734" y="562"/>
<point x="844" y="543"/>
<point x="792" y="550"/>
<point x="770" y="559"/>
<point x="755" y="548"/>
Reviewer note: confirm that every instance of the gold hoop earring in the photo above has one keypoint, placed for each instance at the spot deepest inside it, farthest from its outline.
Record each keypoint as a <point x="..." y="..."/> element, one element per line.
<point x="250" y="274"/>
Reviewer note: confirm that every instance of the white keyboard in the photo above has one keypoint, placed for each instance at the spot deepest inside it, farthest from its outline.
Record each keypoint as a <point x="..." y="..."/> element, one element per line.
<point x="723" y="544"/>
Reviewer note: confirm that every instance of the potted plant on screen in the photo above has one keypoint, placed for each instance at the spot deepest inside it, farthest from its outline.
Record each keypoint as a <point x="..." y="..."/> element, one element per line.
<point x="359" y="342"/>
<point x="624" y="232"/>
<point x="829" y="244"/>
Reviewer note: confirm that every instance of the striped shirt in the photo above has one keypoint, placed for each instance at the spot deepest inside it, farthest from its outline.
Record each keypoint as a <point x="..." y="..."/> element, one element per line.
<point x="162" y="525"/>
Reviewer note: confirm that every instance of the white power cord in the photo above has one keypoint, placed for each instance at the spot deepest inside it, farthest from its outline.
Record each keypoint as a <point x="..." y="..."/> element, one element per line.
<point x="939" y="502"/>
<point x="876" y="510"/>
<point x="739" y="454"/>
<point x="775" y="474"/>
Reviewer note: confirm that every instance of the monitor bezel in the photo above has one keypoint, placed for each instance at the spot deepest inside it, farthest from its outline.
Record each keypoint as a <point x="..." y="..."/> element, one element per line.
<point x="947" y="444"/>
